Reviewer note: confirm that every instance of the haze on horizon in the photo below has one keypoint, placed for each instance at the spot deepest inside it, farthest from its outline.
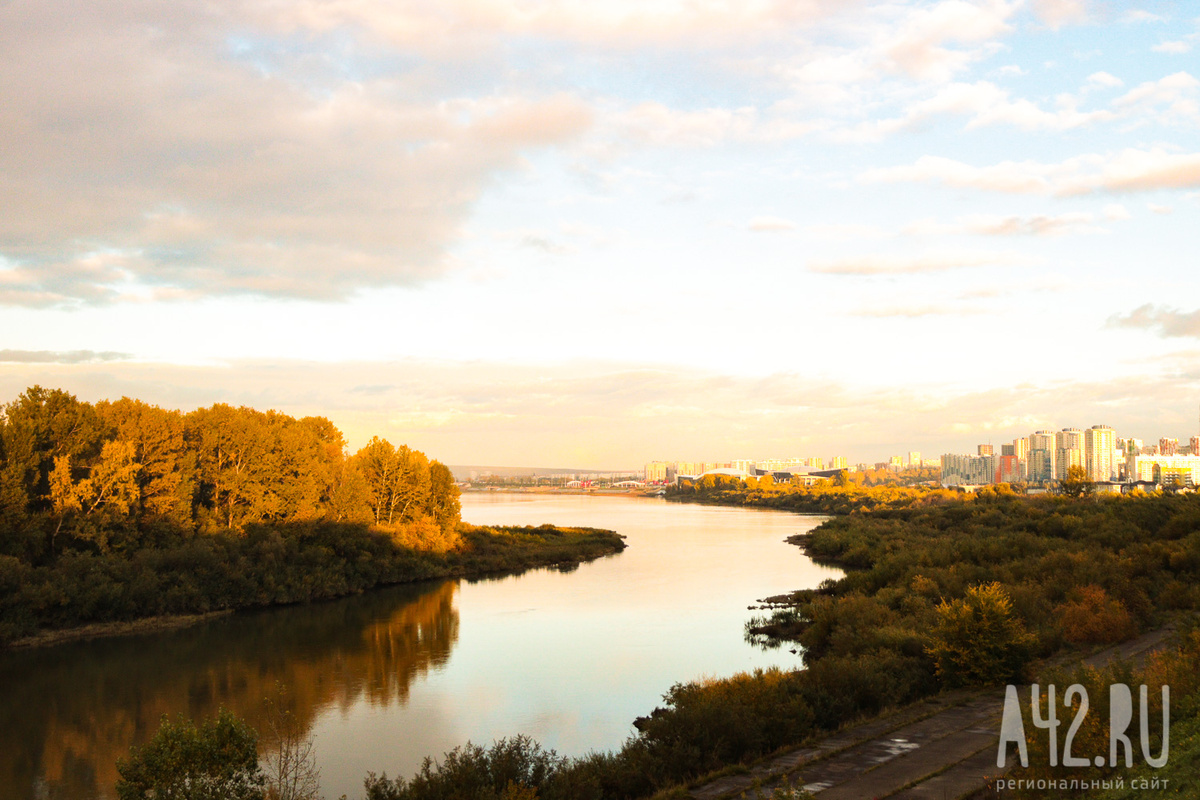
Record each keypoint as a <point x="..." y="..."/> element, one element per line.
<point x="554" y="232"/>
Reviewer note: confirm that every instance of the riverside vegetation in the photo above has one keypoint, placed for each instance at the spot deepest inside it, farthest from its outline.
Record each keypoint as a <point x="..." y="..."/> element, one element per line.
<point x="119" y="511"/>
<point x="942" y="590"/>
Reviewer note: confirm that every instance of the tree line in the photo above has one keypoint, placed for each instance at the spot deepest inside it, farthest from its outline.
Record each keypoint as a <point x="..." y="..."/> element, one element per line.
<point x="115" y="475"/>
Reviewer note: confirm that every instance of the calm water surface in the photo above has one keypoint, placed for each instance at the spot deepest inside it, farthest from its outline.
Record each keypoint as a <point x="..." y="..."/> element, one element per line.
<point x="382" y="680"/>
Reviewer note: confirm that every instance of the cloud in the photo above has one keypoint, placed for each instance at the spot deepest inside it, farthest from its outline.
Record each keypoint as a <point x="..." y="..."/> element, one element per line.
<point x="59" y="357"/>
<point x="1040" y="225"/>
<point x="1057" y="13"/>
<point x="1130" y="170"/>
<point x="1141" y="15"/>
<point x="438" y="27"/>
<point x="917" y="48"/>
<point x="1104" y="79"/>
<point x="770" y="225"/>
<point x="185" y="166"/>
<point x="1009" y="69"/>
<point x="1168" y="322"/>
<point x="1159" y="209"/>
<point x="985" y="104"/>
<point x="909" y="265"/>
<point x="1176" y="48"/>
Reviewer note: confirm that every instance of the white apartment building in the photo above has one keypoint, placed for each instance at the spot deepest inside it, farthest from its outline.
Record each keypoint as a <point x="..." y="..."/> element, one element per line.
<point x="1099" y="453"/>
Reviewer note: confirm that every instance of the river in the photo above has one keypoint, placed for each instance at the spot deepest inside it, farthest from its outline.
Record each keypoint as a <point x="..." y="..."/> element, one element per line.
<point x="569" y="657"/>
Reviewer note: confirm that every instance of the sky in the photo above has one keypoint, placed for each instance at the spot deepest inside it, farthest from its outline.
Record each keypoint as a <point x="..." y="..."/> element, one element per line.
<point x="573" y="234"/>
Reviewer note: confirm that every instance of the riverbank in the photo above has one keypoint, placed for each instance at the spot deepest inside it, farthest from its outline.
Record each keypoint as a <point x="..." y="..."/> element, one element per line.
<point x="87" y="596"/>
<point x="101" y="630"/>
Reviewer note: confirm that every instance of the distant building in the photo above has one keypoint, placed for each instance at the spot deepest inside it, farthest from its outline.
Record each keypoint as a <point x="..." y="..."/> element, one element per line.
<point x="1042" y="451"/>
<point x="839" y="462"/>
<point x="1168" y="447"/>
<point x="1099" y="453"/>
<point x="656" y="472"/>
<point x="1068" y="451"/>
<point x="914" y="458"/>
<point x="967" y="470"/>
<point x="1194" y="446"/>
<point x="986" y="450"/>
<point x="896" y="463"/>
<point x="1008" y="469"/>
<point x="1185" y="469"/>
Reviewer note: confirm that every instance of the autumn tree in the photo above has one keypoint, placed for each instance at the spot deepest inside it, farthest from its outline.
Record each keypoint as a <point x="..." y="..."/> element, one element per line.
<point x="235" y="462"/>
<point x="40" y="426"/>
<point x="167" y="474"/>
<point x="1077" y="482"/>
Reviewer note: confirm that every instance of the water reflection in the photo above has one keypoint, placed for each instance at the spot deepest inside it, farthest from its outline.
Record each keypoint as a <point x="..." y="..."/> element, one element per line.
<point x="69" y="712"/>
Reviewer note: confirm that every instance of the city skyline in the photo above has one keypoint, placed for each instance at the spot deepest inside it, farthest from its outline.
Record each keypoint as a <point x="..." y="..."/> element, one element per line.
<point x="561" y="234"/>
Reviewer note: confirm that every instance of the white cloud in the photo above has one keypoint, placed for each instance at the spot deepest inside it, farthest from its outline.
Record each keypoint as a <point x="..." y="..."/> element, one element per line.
<point x="1115" y="212"/>
<point x="1177" y="48"/>
<point x="1141" y="15"/>
<point x="1159" y="209"/>
<point x="1130" y="170"/>
<point x="1009" y="70"/>
<point x="1169" y="99"/>
<point x="1104" y="79"/>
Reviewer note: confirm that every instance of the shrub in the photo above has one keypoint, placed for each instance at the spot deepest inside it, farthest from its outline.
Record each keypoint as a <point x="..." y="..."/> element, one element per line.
<point x="978" y="639"/>
<point x="217" y="761"/>
<point x="1090" y="616"/>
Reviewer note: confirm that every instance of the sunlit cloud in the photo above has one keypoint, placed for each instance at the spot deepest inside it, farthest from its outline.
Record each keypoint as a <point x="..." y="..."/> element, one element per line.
<point x="1130" y="170"/>
<point x="53" y="357"/>
<point x="1057" y="13"/>
<point x="1161" y="319"/>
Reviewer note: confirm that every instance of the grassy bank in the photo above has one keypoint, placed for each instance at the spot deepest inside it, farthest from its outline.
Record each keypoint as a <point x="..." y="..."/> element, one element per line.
<point x="91" y="594"/>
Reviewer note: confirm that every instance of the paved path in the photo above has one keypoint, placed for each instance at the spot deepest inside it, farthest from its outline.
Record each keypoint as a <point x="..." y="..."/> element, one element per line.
<point x="943" y="748"/>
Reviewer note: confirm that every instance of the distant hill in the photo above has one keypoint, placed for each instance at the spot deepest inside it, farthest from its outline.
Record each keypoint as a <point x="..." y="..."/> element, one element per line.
<point x="463" y="473"/>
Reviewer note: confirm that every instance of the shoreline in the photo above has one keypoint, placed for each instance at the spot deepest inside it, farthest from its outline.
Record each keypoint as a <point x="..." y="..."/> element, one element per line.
<point x="104" y="630"/>
<point x="488" y="564"/>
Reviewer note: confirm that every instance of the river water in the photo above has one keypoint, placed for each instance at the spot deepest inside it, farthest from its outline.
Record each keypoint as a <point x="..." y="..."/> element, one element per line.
<point x="569" y="657"/>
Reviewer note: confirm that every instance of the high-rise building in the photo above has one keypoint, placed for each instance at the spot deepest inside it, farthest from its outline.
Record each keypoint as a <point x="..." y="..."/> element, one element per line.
<point x="1194" y="445"/>
<point x="896" y="463"/>
<point x="914" y="458"/>
<point x="838" y="462"/>
<point x="1168" y="447"/>
<point x="656" y="472"/>
<point x="1042" y="452"/>
<point x="1099" y="452"/>
<point x="1068" y="451"/>
<point x="986" y="450"/>
<point x="1008" y="468"/>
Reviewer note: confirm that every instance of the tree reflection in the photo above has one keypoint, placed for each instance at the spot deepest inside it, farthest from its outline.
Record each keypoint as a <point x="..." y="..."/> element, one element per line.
<point x="70" y="711"/>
